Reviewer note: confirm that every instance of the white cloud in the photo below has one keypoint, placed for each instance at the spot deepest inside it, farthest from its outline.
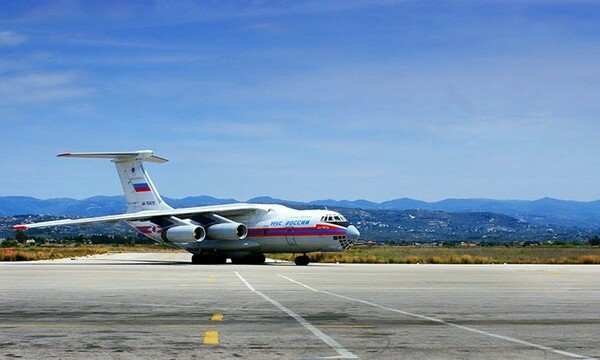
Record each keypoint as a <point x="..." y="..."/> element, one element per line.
<point x="193" y="10"/>
<point x="226" y="128"/>
<point x="11" y="38"/>
<point x="39" y="87"/>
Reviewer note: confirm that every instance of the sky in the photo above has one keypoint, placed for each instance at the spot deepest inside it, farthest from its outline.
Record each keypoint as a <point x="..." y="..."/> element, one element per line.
<point x="304" y="100"/>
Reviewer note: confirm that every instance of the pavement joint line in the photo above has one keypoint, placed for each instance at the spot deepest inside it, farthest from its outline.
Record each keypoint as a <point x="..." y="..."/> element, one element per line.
<point x="54" y="325"/>
<point x="343" y="352"/>
<point x="440" y="321"/>
<point x="112" y="303"/>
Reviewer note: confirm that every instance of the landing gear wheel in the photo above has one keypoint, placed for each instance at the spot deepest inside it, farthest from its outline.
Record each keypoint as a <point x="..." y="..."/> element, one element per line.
<point x="253" y="259"/>
<point x="196" y="259"/>
<point x="302" y="260"/>
<point x="208" y="259"/>
<point x="260" y="259"/>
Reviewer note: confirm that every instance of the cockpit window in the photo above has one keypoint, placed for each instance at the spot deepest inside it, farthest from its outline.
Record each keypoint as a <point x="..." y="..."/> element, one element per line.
<point x="337" y="219"/>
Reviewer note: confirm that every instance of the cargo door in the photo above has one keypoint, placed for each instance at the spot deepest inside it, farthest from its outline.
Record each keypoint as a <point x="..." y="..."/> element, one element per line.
<point x="290" y="238"/>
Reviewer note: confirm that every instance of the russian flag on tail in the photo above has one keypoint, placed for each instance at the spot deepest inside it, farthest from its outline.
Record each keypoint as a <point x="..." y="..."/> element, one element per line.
<point x="141" y="187"/>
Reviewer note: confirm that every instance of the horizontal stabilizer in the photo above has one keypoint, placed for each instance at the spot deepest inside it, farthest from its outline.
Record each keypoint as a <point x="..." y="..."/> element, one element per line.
<point x="145" y="155"/>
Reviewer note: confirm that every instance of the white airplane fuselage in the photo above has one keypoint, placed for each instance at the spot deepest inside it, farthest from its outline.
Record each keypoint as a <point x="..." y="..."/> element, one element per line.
<point x="276" y="228"/>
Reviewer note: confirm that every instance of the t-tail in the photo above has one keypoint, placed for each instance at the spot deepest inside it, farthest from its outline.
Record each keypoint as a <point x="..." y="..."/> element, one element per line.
<point x="140" y="192"/>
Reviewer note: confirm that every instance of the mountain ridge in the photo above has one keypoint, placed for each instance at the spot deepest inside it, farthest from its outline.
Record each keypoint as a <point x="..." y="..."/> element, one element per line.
<point x="542" y="211"/>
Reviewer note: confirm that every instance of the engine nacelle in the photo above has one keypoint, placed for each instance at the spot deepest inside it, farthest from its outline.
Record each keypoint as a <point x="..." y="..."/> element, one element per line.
<point x="184" y="233"/>
<point x="227" y="231"/>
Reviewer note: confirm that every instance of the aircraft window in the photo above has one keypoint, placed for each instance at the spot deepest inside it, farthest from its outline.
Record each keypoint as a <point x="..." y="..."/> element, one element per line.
<point x="337" y="219"/>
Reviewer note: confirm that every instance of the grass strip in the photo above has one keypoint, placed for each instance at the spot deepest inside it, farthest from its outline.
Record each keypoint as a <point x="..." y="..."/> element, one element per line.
<point x="472" y="255"/>
<point x="50" y="252"/>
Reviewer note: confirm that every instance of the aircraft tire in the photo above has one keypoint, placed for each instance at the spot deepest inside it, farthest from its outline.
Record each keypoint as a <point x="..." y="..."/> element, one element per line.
<point x="253" y="259"/>
<point x="259" y="259"/>
<point x="302" y="260"/>
<point x="208" y="259"/>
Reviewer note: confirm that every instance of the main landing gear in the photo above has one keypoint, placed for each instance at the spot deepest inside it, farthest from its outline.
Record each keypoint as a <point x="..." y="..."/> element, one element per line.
<point x="252" y="259"/>
<point x="208" y="259"/>
<point x="216" y="258"/>
<point x="302" y="260"/>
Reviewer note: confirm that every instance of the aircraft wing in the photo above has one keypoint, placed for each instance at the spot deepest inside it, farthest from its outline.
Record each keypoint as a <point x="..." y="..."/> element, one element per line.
<point x="223" y="210"/>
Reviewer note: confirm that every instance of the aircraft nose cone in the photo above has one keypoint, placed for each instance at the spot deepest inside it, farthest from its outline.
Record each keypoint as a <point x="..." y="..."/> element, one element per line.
<point x="352" y="232"/>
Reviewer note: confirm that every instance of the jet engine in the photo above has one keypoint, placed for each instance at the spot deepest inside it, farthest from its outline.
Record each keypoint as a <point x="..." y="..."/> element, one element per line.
<point x="227" y="231"/>
<point x="184" y="233"/>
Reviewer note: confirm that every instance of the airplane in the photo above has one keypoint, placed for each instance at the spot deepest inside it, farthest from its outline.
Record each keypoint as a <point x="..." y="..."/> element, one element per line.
<point x="240" y="232"/>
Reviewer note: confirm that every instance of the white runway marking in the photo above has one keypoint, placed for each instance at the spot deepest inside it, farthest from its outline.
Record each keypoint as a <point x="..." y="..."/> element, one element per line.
<point x="299" y="283"/>
<point x="440" y="321"/>
<point x="344" y="353"/>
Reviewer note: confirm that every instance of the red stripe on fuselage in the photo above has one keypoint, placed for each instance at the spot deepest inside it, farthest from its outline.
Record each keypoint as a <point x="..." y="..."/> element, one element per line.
<point x="318" y="230"/>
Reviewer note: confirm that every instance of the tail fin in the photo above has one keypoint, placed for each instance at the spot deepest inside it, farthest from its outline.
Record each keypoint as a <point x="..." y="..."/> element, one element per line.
<point x="139" y="190"/>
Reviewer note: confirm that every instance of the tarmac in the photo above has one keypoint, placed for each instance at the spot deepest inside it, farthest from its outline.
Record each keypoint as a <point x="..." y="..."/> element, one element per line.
<point x="159" y="306"/>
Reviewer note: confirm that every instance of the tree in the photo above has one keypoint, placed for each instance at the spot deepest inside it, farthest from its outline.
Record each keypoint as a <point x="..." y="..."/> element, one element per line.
<point x="21" y="236"/>
<point x="9" y="243"/>
<point x="594" y="240"/>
